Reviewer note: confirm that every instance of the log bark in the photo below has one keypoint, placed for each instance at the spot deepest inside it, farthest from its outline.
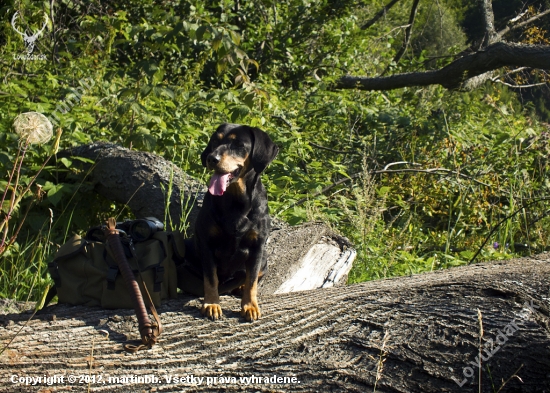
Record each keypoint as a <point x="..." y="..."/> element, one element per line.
<point x="408" y="334"/>
<point x="141" y="180"/>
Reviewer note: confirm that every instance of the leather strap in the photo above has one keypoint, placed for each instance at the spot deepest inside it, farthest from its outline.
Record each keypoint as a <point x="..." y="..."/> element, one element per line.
<point x="149" y="331"/>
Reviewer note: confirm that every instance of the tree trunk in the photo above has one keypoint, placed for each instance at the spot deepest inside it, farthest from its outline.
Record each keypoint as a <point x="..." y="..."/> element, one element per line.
<point x="408" y="334"/>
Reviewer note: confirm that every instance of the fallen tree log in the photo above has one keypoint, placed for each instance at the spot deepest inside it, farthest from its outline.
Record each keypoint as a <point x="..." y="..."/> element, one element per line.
<point x="305" y="257"/>
<point x="411" y="334"/>
<point x="141" y="180"/>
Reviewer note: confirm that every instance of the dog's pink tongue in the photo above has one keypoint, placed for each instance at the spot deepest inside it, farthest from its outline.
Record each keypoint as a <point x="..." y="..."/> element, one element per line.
<point x="218" y="183"/>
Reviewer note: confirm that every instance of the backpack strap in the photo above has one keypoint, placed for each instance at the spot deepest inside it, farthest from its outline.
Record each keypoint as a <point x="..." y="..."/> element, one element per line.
<point x="156" y="326"/>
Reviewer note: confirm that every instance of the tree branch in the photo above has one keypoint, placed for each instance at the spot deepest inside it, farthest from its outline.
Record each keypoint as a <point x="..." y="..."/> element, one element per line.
<point x="432" y="171"/>
<point x="489" y="19"/>
<point x="509" y="28"/>
<point x="408" y="32"/>
<point x="456" y="74"/>
<point x="332" y="150"/>
<point x="497" y="80"/>
<point x="379" y="14"/>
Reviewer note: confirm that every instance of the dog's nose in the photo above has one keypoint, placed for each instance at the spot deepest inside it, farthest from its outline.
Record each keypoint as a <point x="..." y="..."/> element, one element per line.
<point x="213" y="159"/>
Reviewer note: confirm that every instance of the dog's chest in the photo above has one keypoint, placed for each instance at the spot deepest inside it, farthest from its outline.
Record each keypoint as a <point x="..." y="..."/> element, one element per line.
<point x="231" y="254"/>
<point x="229" y="246"/>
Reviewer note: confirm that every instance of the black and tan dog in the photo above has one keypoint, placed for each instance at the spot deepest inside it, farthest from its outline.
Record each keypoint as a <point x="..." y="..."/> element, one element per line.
<point x="233" y="223"/>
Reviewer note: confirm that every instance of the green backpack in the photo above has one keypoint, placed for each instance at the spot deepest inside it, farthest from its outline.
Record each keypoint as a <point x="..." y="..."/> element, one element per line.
<point x="85" y="272"/>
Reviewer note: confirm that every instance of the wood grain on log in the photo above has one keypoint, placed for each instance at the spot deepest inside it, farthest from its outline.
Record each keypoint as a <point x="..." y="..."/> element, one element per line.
<point x="304" y="257"/>
<point x="409" y="334"/>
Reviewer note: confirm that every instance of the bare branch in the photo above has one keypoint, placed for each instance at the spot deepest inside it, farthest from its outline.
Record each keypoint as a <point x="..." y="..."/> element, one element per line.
<point x="287" y="123"/>
<point x="496" y="80"/>
<point x="391" y="31"/>
<point x="401" y="163"/>
<point x="455" y="75"/>
<point x="330" y="186"/>
<point x="518" y="17"/>
<point x="509" y="28"/>
<point x="408" y="32"/>
<point x="516" y="71"/>
<point x="379" y="14"/>
<point x="432" y="171"/>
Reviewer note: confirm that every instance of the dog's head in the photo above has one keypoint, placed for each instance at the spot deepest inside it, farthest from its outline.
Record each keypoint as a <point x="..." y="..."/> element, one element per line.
<point x="233" y="151"/>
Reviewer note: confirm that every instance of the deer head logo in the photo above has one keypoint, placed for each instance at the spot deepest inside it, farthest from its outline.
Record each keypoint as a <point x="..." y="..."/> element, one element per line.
<point x="29" y="40"/>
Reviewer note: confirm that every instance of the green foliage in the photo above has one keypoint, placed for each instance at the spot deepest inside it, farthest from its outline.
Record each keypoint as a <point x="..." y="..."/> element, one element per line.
<point x="437" y="30"/>
<point x="161" y="77"/>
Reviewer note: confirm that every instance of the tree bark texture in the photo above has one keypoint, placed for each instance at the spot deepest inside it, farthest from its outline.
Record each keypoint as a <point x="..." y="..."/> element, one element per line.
<point x="489" y="19"/>
<point x="461" y="71"/>
<point x="408" y="334"/>
<point x="141" y="180"/>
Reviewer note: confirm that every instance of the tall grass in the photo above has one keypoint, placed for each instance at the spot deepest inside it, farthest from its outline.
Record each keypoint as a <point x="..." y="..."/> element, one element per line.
<point x="22" y="266"/>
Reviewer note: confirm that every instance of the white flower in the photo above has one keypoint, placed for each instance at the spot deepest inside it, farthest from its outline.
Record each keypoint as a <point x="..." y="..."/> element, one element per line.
<point x="33" y="127"/>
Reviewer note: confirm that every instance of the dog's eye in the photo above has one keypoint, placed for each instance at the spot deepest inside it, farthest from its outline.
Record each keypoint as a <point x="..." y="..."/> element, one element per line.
<point x="239" y="145"/>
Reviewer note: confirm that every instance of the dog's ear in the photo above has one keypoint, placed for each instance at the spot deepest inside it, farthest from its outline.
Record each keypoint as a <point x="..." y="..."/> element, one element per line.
<point x="263" y="150"/>
<point x="206" y="152"/>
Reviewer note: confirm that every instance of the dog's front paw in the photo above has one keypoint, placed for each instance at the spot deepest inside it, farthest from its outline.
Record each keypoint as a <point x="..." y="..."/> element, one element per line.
<point x="211" y="310"/>
<point x="251" y="312"/>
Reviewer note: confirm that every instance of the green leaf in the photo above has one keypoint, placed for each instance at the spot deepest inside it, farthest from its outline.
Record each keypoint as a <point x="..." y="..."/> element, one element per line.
<point x="55" y="193"/>
<point x="239" y="112"/>
<point x="200" y="32"/>
<point x="66" y="162"/>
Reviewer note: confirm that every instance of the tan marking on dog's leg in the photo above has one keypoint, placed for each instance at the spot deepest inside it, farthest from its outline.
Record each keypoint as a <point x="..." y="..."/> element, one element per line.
<point x="249" y="303"/>
<point x="252" y="235"/>
<point x="211" y="306"/>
